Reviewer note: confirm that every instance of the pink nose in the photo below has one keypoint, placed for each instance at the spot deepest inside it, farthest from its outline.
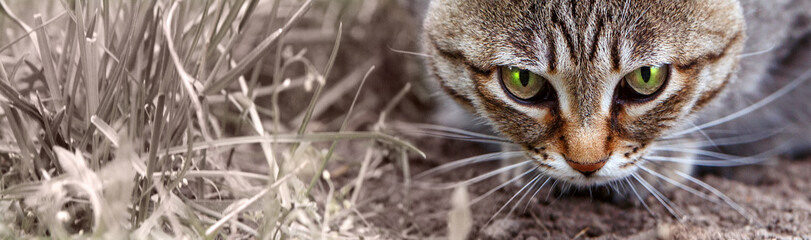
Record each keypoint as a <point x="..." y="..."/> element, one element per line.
<point x="586" y="168"/>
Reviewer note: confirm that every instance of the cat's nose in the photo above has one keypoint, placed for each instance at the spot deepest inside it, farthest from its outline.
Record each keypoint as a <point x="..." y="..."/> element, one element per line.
<point x="587" y="168"/>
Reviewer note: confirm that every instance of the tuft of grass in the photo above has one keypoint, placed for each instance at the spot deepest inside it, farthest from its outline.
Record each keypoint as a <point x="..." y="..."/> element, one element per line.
<point x="117" y="115"/>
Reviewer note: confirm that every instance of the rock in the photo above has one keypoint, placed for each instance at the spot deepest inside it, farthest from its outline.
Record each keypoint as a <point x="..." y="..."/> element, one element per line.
<point x="504" y="228"/>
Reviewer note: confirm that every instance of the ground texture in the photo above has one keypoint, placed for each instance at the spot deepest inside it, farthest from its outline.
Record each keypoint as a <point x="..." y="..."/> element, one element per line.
<point x="778" y="195"/>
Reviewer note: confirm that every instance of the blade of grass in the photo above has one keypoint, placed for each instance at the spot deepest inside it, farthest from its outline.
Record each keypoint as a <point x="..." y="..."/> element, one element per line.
<point x="90" y="59"/>
<point x="293" y="138"/>
<point x="105" y="129"/>
<point x="336" y="92"/>
<point x="324" y="162"/>
<point x="367" y="159"/>
<point x="25" y="146"/>
<point x="47" y="62"/>
<point x="322" y="81"/>
<point x="27" y="149"/>
<point x="225" y="26"/>
<point x="248" y="12"/>
<point x="251" y="200"/>
<point x="28" y="33"/>
<point x="186" y="80"/>
<point x="256" y="121"/>
<point x="152" y="159"/>
<point x="5" y="9"/>
<point x="214" y="86"/>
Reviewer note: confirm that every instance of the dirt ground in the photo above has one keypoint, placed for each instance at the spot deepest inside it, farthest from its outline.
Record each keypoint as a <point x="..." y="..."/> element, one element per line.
<point x="777" y="194"/>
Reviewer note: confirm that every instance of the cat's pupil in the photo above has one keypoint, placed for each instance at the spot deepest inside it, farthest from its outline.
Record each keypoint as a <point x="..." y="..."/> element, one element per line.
<point x="645" y="72"/>
<point x="524" y="77"/>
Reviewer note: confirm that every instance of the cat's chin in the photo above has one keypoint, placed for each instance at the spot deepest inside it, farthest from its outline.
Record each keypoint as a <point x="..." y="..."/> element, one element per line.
<point x="594" y="181"/>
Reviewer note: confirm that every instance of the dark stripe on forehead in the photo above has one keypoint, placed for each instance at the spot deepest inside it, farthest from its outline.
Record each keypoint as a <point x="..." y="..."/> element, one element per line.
<point x="551" y="53"/>
<point x="595" y="40"/>
<point x="566" y="33"/>
<point x="457" y="56"/>
<point x="615" y="53"/>
<point x="524" y="43"/>
<point x="710" y="57"/>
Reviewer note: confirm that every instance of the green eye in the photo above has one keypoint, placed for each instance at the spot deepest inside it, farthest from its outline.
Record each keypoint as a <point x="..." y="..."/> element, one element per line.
<point x="521" y="83"/>
<point x="647" y="80"/>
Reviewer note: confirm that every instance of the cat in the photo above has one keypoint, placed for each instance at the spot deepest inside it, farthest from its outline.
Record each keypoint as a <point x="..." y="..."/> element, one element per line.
<point x="612" y="92"/>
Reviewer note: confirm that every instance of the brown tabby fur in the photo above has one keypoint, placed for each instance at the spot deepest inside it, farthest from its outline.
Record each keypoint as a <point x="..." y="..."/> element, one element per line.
<point x="584" y="48"/>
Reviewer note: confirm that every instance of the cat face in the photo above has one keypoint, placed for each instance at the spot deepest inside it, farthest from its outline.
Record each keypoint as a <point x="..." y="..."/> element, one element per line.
<point x="585" y="87"/>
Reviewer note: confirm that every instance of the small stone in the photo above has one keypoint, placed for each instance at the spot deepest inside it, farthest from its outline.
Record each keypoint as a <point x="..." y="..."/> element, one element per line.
<point x="664" y="231"/>
<point x="504" y="228"/>
<point x="597" y="228"/>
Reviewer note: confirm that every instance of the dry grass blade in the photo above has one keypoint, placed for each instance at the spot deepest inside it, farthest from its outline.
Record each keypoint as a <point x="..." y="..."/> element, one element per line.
<point x="251" y="200"/>
<point x="293" y="138"/>
<point x="48" y="64"/>
<point x="321" y="80"/>
<point x="4" y="7"/>
<point x="343" y="127"/>
<point x="187" y="80"/>
<point x="214" y="86"/>
<point x="105" y="129"/>
<point x="28" y="33"/>
<point x="460" y="218"/>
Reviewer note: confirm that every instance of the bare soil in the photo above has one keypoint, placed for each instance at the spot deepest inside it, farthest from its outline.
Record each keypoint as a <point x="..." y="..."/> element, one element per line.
<point x="777" y="194"/>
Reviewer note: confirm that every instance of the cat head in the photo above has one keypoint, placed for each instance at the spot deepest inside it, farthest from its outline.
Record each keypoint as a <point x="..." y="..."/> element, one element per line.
<point x="585" y="87"/>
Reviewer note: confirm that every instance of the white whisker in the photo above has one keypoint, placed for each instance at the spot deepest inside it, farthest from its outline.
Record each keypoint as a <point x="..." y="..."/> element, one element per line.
<point x="611" y="187"/>
<point x="718" y="155"/>
<point x="418" y="54"/>
<point x="460" y="137"/>
<point x="491" y="191"/>
<point x="704" y="133"/>
<point x="481" y="177"/>
<point x="718" y="193"/>
<point x="682" y="186"/>
<point x="509" y="201"/>
<point x="554" y="183"/>
<point x="746" y="55"/>
<point x="639" y="197"/>
<point x="449" y="132"/>
<point x="710" y="163"/>
<point x="672" y="208"/>
<point x="534" y="182"/>
<point x="468" y="161"/>
<point x="757" y="105"/>
<point x="536" y="193"/>
<point x="564" y="189"/>
<point x="727" y="141"/>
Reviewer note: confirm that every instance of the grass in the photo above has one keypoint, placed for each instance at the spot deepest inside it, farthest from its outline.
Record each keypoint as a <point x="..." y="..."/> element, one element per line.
<point x="116" y="118"/>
